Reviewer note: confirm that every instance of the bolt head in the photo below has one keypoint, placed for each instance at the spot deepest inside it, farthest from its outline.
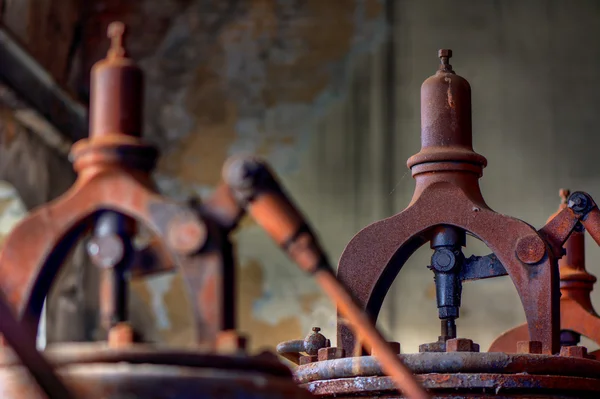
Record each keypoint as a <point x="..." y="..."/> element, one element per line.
<point x="461" y="345"/>
<point x="439" y="346"/>
<point x="578" y="202"/>
<point x="574" y="351"/>
<point x="443" y="260"/>
<point x="531" y="249"/>
<point x="331" y="353"/>
<point x="445" y="53"/>
<point x="532" y="347"/>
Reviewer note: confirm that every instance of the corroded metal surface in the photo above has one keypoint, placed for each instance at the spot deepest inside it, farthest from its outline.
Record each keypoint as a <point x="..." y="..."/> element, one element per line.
<point x="462" y="386"/>
<point x="457" y="375"/>
<point x="97" y="371"/>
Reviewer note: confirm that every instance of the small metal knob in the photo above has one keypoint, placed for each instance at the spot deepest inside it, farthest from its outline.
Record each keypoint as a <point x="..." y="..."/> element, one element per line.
<point x="315" y="341"/>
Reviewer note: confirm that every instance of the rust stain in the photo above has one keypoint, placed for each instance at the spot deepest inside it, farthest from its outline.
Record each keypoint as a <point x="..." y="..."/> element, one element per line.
<point x="262" y="335"/>
<point x="430" y="291"/>
<point x="449" y="92"/>
<point x="307" y="301"/>
<point x="199" y="157"/>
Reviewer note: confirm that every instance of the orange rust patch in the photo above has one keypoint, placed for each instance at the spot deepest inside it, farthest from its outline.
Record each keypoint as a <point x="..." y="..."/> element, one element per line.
<point x="449" y="93"/>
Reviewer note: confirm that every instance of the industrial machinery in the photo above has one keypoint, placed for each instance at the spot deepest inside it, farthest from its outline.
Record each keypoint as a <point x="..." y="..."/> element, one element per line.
<point x="112" y="199"/>
<point x="447" y="204"/>
<point x="577" y="314"/>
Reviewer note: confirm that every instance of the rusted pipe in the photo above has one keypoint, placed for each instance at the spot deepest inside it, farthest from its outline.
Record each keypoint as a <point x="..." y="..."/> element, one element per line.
<point x="291" y="350"/>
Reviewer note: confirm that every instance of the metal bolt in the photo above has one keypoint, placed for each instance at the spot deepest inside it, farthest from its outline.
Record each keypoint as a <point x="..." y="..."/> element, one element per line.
<point x="578" y="202"/>
<point x="531" y="249"/>
<point x="438" y="346"/>
<point x="444" y="53"/>
<point x="445" y="56"/>
<point x="461" y="345"/>
<point x="533" y="347"/>
<point x="574" y="351"/>
<point x="330" y="353"/>
<point x="443" y="260"/>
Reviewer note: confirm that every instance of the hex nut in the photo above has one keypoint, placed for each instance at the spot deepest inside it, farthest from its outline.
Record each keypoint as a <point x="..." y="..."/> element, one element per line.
<point x="574" y="351"/>
<point x="532" y="347"/>
<point x="438" y="346"/>
<point x="461" y="345"/>
<point x="331" y="353"/>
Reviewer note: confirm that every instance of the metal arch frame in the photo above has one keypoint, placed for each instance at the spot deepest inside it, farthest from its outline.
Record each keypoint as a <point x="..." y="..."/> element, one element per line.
<point x="383" y="248"/>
